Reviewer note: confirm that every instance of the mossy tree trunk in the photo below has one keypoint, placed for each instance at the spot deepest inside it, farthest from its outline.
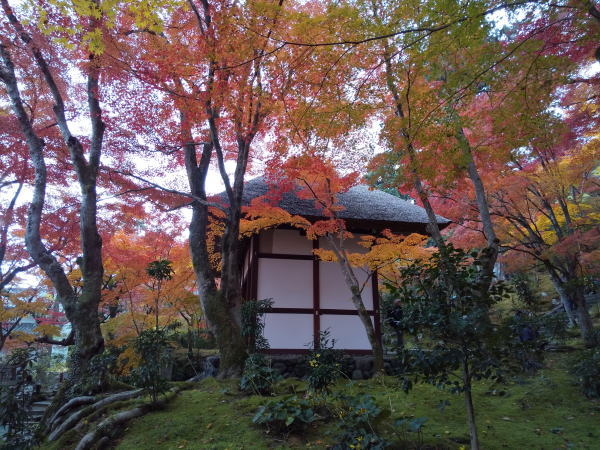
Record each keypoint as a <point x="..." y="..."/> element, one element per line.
<point x="221" y="300"/>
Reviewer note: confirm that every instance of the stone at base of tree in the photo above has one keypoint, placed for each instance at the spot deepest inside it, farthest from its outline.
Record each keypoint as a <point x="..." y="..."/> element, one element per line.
<point x="357" y="374"/>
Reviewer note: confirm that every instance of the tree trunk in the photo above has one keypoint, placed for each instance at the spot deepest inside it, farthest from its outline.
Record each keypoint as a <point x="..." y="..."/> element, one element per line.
<point x="432" y="227"/>
<point x="219" y="310"/>
<point x="469" y="406"/>
<point x="490" y="254"/>
<point x="227" y="332"/>
<point x="365" y="318"/>
<point x="568" y="310"/>
<point x="88" y="341"/>
<point x="586" y="325"/>
<point x="571" y="292"/>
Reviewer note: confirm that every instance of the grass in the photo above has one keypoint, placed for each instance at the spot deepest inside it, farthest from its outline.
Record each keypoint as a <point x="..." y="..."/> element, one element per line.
<point x="546" y="411"/>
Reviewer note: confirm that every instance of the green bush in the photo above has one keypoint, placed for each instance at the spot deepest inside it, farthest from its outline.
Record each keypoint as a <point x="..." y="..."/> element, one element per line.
<point x="253" y="324"/>
<point x="324" y="365"/>
<point x="357" y="418"/>
<point x="285" y="414"/>
<point x="151" y="345"/>
<point x="258" y="377"/>
<point x="586" y="368"/>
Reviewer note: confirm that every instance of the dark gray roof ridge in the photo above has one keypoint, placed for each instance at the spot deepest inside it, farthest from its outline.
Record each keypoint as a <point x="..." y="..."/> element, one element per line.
<point x="360" y="203"/>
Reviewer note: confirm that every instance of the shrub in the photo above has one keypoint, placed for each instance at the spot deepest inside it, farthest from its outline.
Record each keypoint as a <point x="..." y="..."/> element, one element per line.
<point x="357" y="417"/>
<point x="444" y="306"/>
<point x="324" y="365"/>
<point x="412" y="424"/>
<point x="102" y="369"/>
<point x="258" y="376"/>
<point x="253" y="324"/>
<point x="151" y="345"/>
<point x="285" y="414"/>
<point x="586" y="368"/>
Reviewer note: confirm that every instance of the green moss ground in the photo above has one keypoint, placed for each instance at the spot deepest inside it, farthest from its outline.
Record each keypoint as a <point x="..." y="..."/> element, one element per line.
<point x="542" y="412"/>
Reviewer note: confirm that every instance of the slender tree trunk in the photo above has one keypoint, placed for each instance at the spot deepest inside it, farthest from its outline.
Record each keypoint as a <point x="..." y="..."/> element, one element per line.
<point x="365" y="318"/>
<point x="490" y="254"/>
<point x="469" y="405"/>
<point x="432" y="227"/>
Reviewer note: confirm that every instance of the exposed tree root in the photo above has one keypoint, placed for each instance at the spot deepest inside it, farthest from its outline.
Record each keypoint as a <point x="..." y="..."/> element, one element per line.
<point x="109" y="426"/>
<point x="73" y="403"/>
<point x="73" y="419"/>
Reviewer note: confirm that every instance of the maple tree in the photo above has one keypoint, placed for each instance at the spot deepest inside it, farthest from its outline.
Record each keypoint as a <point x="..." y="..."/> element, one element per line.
<point x="138" y="301"/>
<point x="538" y="166"/>
<point x="475" y="129"/>
<point x="227" y="96"/>
<point x="545" y="209"/>
<point x="16" y="62"/>
<point x="46" y="50"/>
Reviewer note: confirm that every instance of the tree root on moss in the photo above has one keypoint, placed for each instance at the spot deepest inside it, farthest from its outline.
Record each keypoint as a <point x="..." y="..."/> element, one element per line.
<point x="59" y="427"/>
<point x="110" y="426"/>
<point x="71" y="404"/>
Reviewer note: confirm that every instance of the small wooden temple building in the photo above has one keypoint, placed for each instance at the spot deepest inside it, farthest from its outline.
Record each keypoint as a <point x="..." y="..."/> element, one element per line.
<point x="310" y="296"/>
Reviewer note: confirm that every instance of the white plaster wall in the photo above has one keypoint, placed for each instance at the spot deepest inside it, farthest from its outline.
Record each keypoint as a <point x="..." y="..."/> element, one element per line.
<point x="351" y="245"/>
<point x="285" y="241"/>
<point x="287" y="281"/>
<point x="291" y="331"/>
<point x="348" y="331"/>
<point x="334" y="293"/>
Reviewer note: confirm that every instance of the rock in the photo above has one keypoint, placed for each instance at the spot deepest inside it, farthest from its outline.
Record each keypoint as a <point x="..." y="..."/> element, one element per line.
<point x="357" y="374"/>
<point x="364" y="363"/>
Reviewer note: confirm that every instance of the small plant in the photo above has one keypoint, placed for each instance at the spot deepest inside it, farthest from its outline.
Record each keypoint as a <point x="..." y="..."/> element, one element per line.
<point x="324" y="365"/>
<point x="586" y="368"/>
<point x="258" y="376"/>
<point x="285" y="414"/>
<point x="253" y="324"/>
<point x="357" y="417"/>
<point x="160" y="271"/>
<point x="151" y="345"/>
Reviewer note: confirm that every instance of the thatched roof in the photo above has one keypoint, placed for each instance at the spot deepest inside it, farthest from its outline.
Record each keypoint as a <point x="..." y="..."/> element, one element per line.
<point x="364" y="209"/>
